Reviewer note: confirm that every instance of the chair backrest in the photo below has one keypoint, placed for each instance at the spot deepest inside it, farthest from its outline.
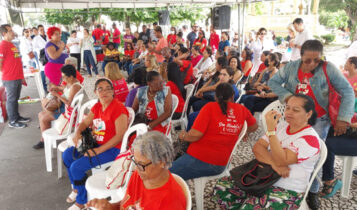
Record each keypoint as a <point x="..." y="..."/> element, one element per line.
<point x="77" y="102"/>
<point x="87" y="105"/>
<point x="131" y="116"/>
<point x="39" y="84"/>
<point x="131" y="86"/>
<point x="189" y="92"/>
<point x="323" y="156"/>
<point x="197" y="82"/>
<point x="186" y="191"/>
<point x="241" y="91"/>
<point x="175" y="102"/>
<point x="276" y="105"/>
<point x="240" y="137"/>
<point x="140" y="129"/>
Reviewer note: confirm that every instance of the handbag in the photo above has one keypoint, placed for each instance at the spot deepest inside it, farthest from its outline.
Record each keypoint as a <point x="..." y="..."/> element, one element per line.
<point x="51" y="103"/>
<point x="254" y="177"/>
<point x="116" y="175"/>
<point x="43" y="59"/>
<point x="61" y="125"/>
<point x="334" y="99"/>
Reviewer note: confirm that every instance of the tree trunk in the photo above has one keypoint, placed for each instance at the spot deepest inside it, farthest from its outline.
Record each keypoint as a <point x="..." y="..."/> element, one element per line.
<point x="127" y="21"/>
<point x="353" y="17"/>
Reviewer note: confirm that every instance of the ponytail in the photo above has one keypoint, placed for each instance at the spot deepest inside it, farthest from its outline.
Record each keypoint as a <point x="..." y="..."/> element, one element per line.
<point x="224" y="92"/>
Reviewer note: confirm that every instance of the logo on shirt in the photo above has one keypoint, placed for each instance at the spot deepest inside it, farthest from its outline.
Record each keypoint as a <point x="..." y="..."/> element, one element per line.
<point x="16" y="52"/>
<point x="99" y="129"/>
<point x="303" y="87"/>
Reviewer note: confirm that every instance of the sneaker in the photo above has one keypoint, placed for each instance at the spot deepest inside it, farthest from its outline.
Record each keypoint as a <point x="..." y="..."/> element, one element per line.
<point x="23" y="119"/>
<point x="313" y="201"/>
<point x="17" y="124"/>
<point x="39" y="145"/>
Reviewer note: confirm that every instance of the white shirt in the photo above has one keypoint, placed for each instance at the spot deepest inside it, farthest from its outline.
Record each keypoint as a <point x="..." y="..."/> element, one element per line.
<point x="306" y="144"/>
<point x="257" y="47"/>
<point x="25" y="49"/>
<point x="87" y="43"/>
<point x="38" y="43"/>
<point x="74" y="48"/>
<point x="300" y="38"/>
<point x="203" y="65"/>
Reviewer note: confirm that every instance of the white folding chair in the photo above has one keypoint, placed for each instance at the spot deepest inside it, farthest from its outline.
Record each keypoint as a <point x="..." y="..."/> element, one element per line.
<point x="39" y="85"/>
<point x="183" y="119"/>
<point x="175" y="102"/>
<point x="323" y="156"/>
<point x="50" y="136"/>
<point x="349" y="163"/>
<point x="185" y="189"/>
<point x="201" y="182"/>
<point x="95" y="184"/>
<point x="64" y="145"/>
<point x="276" y="105"/>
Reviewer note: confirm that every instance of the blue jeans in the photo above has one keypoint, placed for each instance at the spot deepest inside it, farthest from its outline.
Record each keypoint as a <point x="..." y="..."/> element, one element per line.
<point x="89" y="61"/>
<point x="254" y="103"/>
<point x="43" y="78"/>
<point x="191" y="119"/>
<point x="322" y="127"/>
<point x="189" y="167"/>
<point x="337" y="145"/>
<point x="77" y="168"/>
<point x="116" y="45"/>
<point x="13" y="91"/>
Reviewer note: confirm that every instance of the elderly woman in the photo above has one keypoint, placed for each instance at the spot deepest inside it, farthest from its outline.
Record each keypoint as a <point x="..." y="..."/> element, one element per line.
<point x="213" y="136"/>
<point x="306" y="76"/>
<point x="69" y="91"/>
<point x="291" y="148"/>
<point x="88" y="55"/>
<point x="55" y="55"/>
<point x="155" y="101"/>
<point x="151" y="186"/>
<point x="73" y="62"/>
<point x="109" y="121"/>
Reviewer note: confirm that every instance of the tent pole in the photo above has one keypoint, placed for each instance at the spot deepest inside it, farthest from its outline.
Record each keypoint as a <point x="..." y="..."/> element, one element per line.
<point x="242" y="26"/>
<point x="239" y="39"/>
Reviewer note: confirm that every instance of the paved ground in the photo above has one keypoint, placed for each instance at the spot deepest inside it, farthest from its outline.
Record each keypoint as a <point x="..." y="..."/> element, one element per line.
<point x="25" y="184"/>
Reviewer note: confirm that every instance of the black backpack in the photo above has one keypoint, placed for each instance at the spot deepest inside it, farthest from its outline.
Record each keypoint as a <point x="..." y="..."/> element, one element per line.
<point x="43" y="59"/>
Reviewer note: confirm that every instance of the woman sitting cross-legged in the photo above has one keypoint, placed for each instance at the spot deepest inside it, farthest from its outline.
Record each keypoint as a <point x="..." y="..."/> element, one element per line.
<point x="109" y="121"/>
<point x="213" y="136"/>
<point x="155" y="101"/>
<point x="291" y="148"/>
<point x="151" y="186"/>
<point x="68" y="92"/>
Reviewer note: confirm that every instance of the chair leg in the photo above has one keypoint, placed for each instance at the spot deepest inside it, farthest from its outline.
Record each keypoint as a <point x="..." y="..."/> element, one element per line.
<point x="48" y="154"/>
<point x="199" y="192"/>
<point x="59" y="164"/>
<point x="347" y="175"/>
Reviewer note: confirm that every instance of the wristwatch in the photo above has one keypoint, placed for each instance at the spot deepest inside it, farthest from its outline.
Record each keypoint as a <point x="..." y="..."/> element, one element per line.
<point x="270" y="133"/>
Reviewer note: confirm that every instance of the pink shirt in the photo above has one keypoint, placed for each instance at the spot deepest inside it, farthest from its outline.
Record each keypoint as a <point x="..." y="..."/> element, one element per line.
<point x="352" y="81"/>
<point x="160" y="45"/>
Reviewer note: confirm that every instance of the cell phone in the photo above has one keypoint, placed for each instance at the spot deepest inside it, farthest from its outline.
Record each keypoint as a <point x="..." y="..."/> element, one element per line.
<point x="275" y="116"/>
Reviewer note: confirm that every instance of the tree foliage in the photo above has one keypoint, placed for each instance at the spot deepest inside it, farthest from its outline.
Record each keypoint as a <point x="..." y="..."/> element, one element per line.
<point x="337" y="19"/>
<point x="69" y="17"/>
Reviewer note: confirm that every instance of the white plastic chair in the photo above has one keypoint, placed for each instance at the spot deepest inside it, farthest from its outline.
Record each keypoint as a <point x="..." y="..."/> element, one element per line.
<point x="201" y="182"/>
<point x="175" y="102"/>
<point x="323" y="156"/>
<point x="185" y="189"/>
<point x="64" y="145"/>
<point x="348" y="164"/>
<point x="183" y="119"/>
<point x="95" y="184"/>
<point x="39" y="85"/>
<point x="276" y="105"/>
<point x="50" y="136"/>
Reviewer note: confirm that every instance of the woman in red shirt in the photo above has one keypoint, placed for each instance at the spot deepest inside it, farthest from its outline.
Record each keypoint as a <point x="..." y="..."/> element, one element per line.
<point x="176" y="86"/>
<point x="201" y="41"/>
<point x="196" y="55"/>
<point x="109" y="121"/>
<point x="129" y="55"/>
<point x="151" y="186"/>
<point x="213" y="136"/>
<point x="121" y="89"/>
<point x="246" y="62"/>
<point x="171" y="38"/>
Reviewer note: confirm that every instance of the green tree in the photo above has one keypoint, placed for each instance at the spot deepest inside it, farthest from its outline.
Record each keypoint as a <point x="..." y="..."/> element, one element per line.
<point x="67" y="17"/>
<point x="192" y="14"/>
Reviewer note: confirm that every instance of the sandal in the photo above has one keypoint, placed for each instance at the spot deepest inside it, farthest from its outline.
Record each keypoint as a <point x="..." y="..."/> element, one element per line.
<point x="72" y="197"/>
<point x="75" y="207"/>
<point x="329" y="191"/>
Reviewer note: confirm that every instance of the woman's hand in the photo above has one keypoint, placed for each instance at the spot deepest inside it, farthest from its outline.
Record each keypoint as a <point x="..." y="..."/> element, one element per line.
<point x="54" y="93"/>
<point x="283" y="171"/>
<point x="340" y="128"/>
<point x="62" y="45"/>
<point x="182" y="135"/>
<point x="76" y="138"/>
<point x="100" y="204"/>
<point x="92" y="152"/>
<point x="272" y="118"/>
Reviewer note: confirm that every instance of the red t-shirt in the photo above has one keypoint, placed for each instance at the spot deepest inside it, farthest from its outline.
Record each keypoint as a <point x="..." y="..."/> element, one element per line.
<point x="189" y="73"/>
<point x="304" y="88"/>
<point x="120" y="89"/>
<point x="129" y="53"/>
<point x="214" y="41"/>
<point x="220" y="132"/>
<point x="242" y="63"/>
<point x="169" y="196"/>
<point x="116" y="33"/>
<point x="171" y="38"/>
<point x="261" y="68"/>
<point x="106" y="37"/>
<point x="151" y="114"/>
<point x="195" y="60"/>
<point x="199" y="43"/>
<point x="162" y="43"/>
<point x="11" y="61"/>
<point x="98" y="34"/>
<point x="104" y="121"/>
<point x="174" y="90"/>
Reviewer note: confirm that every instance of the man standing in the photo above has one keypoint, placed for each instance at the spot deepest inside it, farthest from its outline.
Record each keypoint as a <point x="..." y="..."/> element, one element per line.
<point x="38" y="43"/>
<point x="161" y="44"/>
<point x="144" y="35"/>
<point x="12" y="76"/>
<point x="116" y="36"/>
<point x="106" y="35"/>
<point x="301" y="37"/>
<point x="74" y="49"/>
<point x="98" y="35"/>
<point x="192" y="36"/>
<point x="34" y="32"/>
<point x="213" y="39"/>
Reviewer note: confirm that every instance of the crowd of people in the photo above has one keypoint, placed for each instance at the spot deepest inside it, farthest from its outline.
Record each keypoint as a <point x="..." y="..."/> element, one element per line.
<point x="152" y="69"/>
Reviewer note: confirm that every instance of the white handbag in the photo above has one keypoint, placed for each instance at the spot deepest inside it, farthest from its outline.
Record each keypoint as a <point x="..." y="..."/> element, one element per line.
<point x="62" y="124"/>
<point x="116" y="175"/>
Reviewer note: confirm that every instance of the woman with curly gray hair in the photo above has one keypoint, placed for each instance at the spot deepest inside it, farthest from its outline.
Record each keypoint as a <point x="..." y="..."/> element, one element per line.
<point x="151" y="186"/>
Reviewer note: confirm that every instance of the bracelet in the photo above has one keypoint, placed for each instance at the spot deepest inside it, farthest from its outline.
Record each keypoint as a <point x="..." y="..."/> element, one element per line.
<point x="183" y="138"/>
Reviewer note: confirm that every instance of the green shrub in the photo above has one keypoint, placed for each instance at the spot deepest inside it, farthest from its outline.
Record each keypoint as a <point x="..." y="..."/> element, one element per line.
<point x="328" y="38"/>
<point x="279" y="40"/>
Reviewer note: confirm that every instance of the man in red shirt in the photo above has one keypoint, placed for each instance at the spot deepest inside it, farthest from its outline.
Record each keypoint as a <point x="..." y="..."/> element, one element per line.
<point x="106" y="35"/>
<point x="213" y="39"/>
<point x="116" y="36"/>
<point x="12" y="76"/>
<point x="161" y="44"/>
<point x="98" y="35"/>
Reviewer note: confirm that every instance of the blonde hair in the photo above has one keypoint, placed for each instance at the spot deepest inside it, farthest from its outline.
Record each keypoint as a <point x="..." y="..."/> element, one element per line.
<point x="153" y="64"/>
<point x="112" y="71"/>
<point x="163" y="71"/>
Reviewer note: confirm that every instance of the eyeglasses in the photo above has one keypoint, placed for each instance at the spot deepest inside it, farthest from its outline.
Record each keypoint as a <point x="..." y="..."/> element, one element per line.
<point x="100" y="90"/>
<point x="141" y="167"/>
<point x="309" y="60"/>
<point x="263" y="33"/>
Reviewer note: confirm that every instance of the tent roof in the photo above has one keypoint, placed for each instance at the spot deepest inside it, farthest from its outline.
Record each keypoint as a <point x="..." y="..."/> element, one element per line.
<point x="81" y="4"/>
